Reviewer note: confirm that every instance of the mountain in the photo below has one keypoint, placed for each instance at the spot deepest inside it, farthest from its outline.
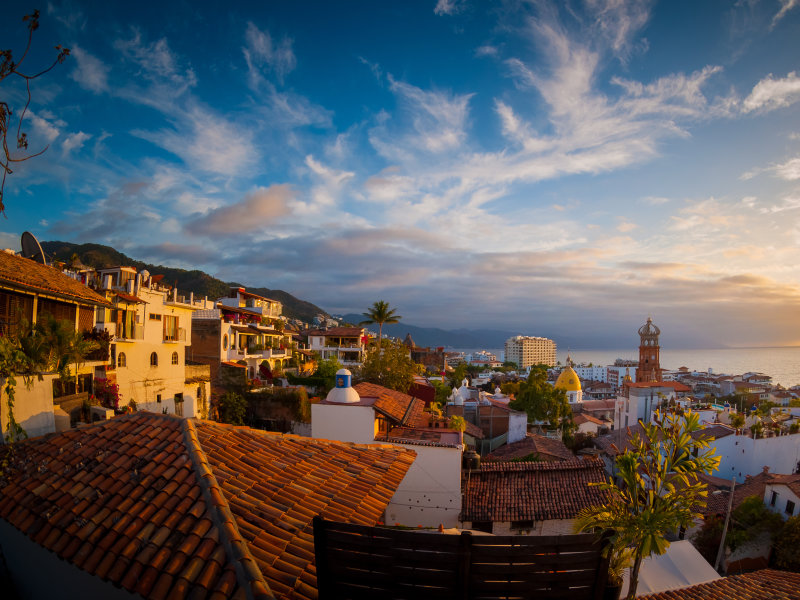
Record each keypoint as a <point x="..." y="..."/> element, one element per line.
<point x="434" y="337"/>
<point x="202" y="284"/>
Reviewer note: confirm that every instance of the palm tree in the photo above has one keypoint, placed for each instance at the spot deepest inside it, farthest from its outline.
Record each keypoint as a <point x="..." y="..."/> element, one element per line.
<point x="380" y="313"/>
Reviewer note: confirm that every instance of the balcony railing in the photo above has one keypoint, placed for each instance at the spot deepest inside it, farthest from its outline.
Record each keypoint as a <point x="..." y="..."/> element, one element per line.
<point x="136" y="332"/>
<point x="176" y="335"/>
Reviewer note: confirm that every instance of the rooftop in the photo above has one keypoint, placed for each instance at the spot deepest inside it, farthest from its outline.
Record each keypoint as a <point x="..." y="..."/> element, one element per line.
<point x="169" y="507"/>
<point x="538" y="491"/>
<point x="766" y="584"/>
<point x="546" y="448"/>
<point x="24" y="273"/>
<point x="401" y="408"/>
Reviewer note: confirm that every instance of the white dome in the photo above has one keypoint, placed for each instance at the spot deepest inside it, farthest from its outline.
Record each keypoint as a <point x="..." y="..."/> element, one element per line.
<point x="343" y="393"/>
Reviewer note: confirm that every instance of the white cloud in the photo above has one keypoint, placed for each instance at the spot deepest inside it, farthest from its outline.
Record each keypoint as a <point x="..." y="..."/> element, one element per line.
<point x="790" y="170"/>
<point x="448" y="7"/>
<point x="788" y="203"/>
<point x="618" y="21"/>
<point x="157" y="62"/>
<point x="74" y="141"/>
<point x="262" y="52"/>
<point x="207" y="142"/>
<point x="90" y="72"/>
<point x="771" y="93"/>
<point x="257" y="210"/>
<point x="486" y="50"/>
<point x="786" y="6"/>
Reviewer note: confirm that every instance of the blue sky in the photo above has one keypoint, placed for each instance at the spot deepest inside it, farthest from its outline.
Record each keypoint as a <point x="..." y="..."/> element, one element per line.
<point x="558" y="169"/>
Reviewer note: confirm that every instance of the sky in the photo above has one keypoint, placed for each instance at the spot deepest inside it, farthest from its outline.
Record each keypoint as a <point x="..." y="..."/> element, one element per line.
<point x="559" y="169"/>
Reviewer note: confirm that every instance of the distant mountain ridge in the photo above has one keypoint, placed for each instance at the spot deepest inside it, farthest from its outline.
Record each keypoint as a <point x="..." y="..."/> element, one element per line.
<point x="202" y="284"/>
<point x="435" y="337"/>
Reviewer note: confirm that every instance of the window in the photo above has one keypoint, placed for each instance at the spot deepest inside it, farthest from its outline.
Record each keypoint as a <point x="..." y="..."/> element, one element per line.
<point x="789" y="507"/>
<point x="174" y="358"/>
<point x="155" y="317"/>
<point x="225" y="342"/>
<point x="158" y="398"/>
<point x="122" y="360"/>
<point x="774" y="499"/>
<point x="485" y="526"/>
<point x="153" y="359"/>
<point x="524" y="524"/>
<point x="179" y="404"/>
<point x="170" y="328"/>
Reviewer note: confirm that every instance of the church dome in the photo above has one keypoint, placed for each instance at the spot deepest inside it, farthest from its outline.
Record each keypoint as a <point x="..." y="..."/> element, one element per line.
<point x="568" y="380"/>
<point x="649" y="328"/>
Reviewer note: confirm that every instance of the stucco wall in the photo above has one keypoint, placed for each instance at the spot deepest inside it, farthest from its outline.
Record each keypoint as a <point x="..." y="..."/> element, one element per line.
<point x="430" y="493"/>
<point x="39" y="574"/>
<point x="742" y="455"/>
<point x="517" y="426"/>
<point x="33" y="408"/>
<point x="344" y="423"/>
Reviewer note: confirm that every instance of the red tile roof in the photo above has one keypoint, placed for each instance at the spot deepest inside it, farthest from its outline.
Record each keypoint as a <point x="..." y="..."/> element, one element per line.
<point x="717" y="504"/>
<point x="676" y="385"/>
<point x="546" y="448"/>
<point x="26" y="274"/>
<point x="336" y="332"/>
<point x="423" y="437"/>
<point x="399" y="407"/>
<point x="539" y="491"/>
<point x="129" y="298"/>
<point x="167" y="507"/>
<point x="766" y="584"/>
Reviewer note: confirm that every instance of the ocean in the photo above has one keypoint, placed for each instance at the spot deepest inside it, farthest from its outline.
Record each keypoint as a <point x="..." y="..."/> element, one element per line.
<point x="781" y="363"/>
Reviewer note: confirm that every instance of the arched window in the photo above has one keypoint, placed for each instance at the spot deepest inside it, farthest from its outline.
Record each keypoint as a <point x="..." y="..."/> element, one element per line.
<point x="122" y="360"/>
<point x="225" y="342"/>
<point x="174" y="358"/>
<point x="153" y="359"/>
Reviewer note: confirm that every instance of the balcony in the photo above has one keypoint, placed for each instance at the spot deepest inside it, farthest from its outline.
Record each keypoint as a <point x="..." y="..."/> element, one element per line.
<point x="135" y="332"/>
<point x="175" y="335"/>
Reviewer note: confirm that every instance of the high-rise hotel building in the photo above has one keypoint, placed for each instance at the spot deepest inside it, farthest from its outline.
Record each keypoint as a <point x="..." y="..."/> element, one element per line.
<point x="526" y="351"/>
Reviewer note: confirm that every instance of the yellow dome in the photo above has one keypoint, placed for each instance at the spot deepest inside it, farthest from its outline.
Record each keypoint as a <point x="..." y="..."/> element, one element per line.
<point x="568" y="380"/>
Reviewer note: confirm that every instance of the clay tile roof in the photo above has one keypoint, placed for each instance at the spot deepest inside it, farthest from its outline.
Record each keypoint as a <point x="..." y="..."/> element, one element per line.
<point x="167" y="507"/>
<point x="582" y="418"/>
<point x="337" y="332"/>
<point x="766" y="584"/>
<point x="129" y="298"/>
<point x="447" y="438"/>
<point x="546" y="448"/>
<point x="26" y="274"/>
<point x="538" y="491"/>
<point x="717" y="503"/>
<point x="401" y="408"/>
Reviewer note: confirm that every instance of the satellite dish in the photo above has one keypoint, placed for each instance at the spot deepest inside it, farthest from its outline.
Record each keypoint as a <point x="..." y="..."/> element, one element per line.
<point x="31" y="248"/>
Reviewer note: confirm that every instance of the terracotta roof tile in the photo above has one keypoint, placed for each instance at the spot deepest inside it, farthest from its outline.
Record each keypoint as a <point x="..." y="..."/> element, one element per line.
<point x="401" y="408"/>
<point x="538" y="491"/>
<point x="24" y="273"/>
<point x="766" y="584"/>
<point x="544" y="447"/>
<point x="206" y="511"/>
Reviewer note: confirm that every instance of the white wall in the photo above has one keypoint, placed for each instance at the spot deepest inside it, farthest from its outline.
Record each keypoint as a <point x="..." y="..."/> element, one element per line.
<point x="517" y="426"/>
<point x="551" y="527"/>
<point x="742" y="455"/>
<point x="783" y="494"/>
<point x="430" y="493"/>
<point x="346" y="423"/>
<point x="33" y="408"/>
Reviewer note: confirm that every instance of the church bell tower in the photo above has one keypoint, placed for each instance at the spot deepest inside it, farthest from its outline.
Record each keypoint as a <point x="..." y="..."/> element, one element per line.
<point x="649" y="368"/>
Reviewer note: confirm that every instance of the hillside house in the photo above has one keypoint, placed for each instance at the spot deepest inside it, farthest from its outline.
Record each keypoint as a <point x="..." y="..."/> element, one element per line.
<point x="151" y="326"/>
<point x="28" y="291"/>
<point x="345" y="344"/>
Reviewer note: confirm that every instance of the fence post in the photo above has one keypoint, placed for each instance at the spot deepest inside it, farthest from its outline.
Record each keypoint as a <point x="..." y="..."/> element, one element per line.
<point x="321" y="557"/>
<point x="464" y="564"/>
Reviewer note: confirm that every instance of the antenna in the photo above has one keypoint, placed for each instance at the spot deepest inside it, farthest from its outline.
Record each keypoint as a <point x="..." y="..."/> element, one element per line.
<point x="31" y="248"/>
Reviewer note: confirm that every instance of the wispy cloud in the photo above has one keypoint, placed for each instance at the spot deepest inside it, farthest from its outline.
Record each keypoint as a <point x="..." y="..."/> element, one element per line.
<point x="786" y="6"/>
<point x="74" y="141"/>
<point x="262" y="53"/>
<point x="448" y="7"/>
<point x="90" y="72"/>
<point x="770" y="93"/>
<point x="618" y="21"/>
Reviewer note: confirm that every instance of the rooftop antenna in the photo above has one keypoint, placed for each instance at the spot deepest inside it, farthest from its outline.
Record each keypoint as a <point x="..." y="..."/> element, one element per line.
<point x="31" y="248"/>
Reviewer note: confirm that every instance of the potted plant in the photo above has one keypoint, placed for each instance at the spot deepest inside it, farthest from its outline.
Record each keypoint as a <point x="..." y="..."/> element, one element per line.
<point x="620" y="558"/>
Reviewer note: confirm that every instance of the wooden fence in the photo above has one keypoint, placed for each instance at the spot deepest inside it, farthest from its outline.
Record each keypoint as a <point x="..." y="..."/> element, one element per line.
<point x="355" y="561"/>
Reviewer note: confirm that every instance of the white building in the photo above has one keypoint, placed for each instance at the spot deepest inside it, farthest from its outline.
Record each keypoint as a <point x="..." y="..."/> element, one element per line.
<point x="782" y="495"/>
<point x="151" y="327"/>
<point x="345" y="344"/>
<point x="593" y="373"/>
<point x="526" y="351"/>
<point x="742" y="455"/>
<point x="640" y="400"/>
<point x="430" y="493"/>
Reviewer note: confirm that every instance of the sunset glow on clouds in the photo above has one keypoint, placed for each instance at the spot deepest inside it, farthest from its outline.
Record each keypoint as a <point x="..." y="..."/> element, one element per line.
<point x="548" y="170"/>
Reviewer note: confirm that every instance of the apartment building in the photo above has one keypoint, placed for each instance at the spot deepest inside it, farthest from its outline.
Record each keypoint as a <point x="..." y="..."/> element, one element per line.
<point x="526" y="351"/>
